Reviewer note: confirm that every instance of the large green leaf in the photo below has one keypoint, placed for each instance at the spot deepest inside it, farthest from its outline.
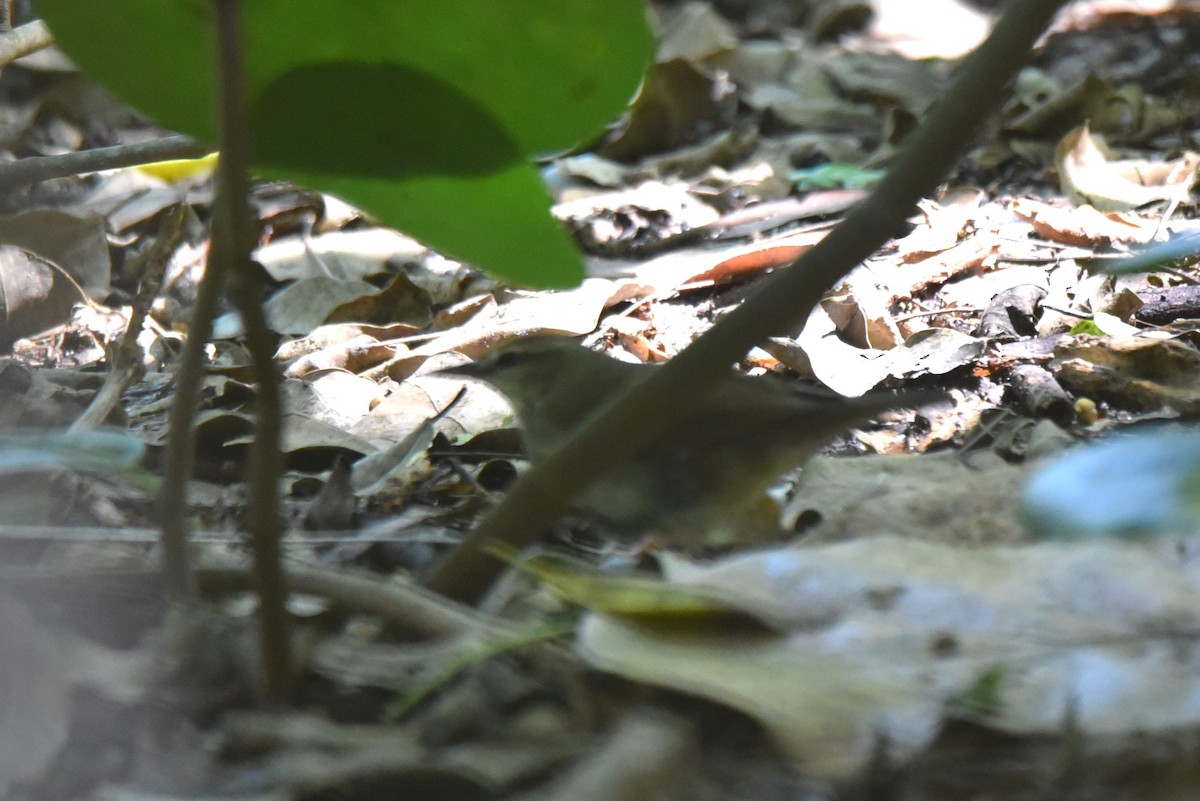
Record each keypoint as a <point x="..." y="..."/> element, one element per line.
<point x="424" y="113"/>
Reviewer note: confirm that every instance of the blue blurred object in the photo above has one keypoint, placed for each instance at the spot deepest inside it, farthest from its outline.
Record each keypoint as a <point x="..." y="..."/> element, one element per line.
<point x="1128" y="485"/>
<point x="1179" y="249"/>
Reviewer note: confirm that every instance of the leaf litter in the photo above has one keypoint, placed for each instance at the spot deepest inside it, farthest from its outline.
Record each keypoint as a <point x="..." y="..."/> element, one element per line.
<point x="912" y="607"/>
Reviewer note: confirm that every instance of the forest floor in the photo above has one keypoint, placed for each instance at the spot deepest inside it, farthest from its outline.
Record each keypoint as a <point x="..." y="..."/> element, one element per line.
<point x="951" y="609"/>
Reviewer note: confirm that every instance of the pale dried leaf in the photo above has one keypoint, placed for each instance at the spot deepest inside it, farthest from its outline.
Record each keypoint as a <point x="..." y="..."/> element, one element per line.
<point x="887" y="633"/>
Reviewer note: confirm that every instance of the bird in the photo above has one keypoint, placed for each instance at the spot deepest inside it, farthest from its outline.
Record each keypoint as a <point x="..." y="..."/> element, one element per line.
<point x="703" y="479"/>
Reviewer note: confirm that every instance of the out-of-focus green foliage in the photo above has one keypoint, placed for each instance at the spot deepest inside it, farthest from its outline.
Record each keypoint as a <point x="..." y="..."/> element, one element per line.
<point x="424" y="114"/>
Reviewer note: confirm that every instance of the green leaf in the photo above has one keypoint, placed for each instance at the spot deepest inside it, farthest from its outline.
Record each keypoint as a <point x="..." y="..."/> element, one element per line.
<point x="984" y="698"/>
<point x="1086" y="327"/>
<point x="349" y="95"/>
<point x="383" y="142"/>
<point x="835" y="175"/>
<point x="646" y="598"/>
<point x="470" y="185"/>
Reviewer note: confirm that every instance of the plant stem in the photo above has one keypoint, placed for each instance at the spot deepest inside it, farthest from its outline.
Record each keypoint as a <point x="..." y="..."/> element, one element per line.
<point x="233" y="241"/>
<point x="21" y="41"/>
<point x="32" y="169"/>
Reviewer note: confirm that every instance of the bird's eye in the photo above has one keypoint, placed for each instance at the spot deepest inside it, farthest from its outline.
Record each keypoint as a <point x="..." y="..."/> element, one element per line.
<point x="509" y="359"/>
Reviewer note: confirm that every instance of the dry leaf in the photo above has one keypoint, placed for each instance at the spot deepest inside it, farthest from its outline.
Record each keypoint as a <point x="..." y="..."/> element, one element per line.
<point x="1089" y="175"/>
<point x="890" y="637"/>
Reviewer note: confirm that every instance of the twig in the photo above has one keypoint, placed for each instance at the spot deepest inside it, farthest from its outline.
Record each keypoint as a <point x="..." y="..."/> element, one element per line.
<point x="39" y="532"/>
<point x="180" y="448"/>
<point x="32" y="169"/>
<point x="127" y="366"/>
<point x="938" y="312"/>
<point x="413" y="608"/>
<point x="28" y="38"/>
<point x="783" y="301"/>
<point x="234" y="238"/>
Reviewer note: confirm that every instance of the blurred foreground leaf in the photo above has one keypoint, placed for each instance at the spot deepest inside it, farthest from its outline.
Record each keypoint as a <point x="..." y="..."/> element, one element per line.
<point x="424" y="114"/>
<point x="1125" y="486"/>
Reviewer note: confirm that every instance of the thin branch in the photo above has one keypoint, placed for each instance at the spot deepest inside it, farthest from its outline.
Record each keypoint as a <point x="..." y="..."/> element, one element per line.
<point x="180" y="449"/>
<point x="783" y="301"/>
<point x="28" y="38"/>
<point x="32" y="169"/>
<point x="412" y="608"/>
<point x="407" y="607"/>
<point x="234" y="237"/>
<point x="126" y="365"/>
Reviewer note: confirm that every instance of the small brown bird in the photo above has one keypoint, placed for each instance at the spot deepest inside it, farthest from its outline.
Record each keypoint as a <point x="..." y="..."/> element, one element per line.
<point x="703" y="479"/>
